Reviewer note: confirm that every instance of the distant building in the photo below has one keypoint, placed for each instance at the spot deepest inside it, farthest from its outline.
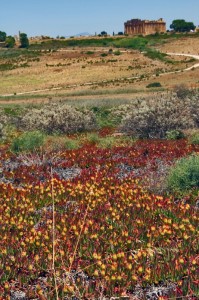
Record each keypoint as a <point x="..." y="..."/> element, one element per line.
<point x="144" y="27"/>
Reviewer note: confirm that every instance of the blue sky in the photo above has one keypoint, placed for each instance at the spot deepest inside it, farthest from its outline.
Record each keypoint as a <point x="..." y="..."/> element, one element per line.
<point x="69" y="17"/>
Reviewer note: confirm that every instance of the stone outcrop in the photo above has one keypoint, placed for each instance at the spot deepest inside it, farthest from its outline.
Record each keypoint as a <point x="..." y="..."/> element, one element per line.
<point x="144" y="27"/>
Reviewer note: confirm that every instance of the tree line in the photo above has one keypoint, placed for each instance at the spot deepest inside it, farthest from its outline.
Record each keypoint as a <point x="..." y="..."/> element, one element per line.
<point x="10" y="40"/>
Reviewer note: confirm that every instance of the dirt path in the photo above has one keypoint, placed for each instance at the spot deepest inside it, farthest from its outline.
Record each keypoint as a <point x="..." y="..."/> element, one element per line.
<point x="106" y="81"/>
<point x="187" y="55"/>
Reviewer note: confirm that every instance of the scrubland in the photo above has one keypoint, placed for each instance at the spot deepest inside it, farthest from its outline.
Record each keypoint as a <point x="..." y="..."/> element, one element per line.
<point x="99" y="185"/>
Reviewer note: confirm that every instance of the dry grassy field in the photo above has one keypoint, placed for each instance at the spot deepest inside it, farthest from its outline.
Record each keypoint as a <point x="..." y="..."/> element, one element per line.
<point x="96" y="70"/>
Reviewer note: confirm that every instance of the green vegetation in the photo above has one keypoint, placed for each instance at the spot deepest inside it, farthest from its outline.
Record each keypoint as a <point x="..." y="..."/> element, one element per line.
<point x="107" y="142"/>
<point x="10" y="41"/>
<point x="154" y="118"/>
<point x="156" y="55"/>
<point x="182" y="91"/>
<point x="174" y="135"/>
<point x="71" y="144"/>
<point x="194" y="139"/>
<point x="181" y="25"/>
<point x="57" y="119"/>
<point x="92" y="138"/>
<point x="103" y="33"/>
<point x="16" y="58"/>
<point x="2" y="36"/>
<point x="103" y="54"/>
<point x="89" y="52"/>
<point x="28" y="141"/>
<point x="103" y="116"/>
<point x="117" y="52"/>
<point x="136" y="43"/>
<point x="90" y="42"/>
<point x="6" y="67"/>
<point x="185" y="174"/>
<point x="18" y="53"/>
<point x="24" y="40"/>
<point x="154" y="85"/>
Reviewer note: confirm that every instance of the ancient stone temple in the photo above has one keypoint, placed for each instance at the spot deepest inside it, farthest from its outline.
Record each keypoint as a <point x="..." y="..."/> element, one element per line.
<point x="144" y="27"/>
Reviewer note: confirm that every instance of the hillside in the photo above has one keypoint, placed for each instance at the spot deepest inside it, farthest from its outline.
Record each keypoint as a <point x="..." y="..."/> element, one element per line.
<point x="58" y="68"/>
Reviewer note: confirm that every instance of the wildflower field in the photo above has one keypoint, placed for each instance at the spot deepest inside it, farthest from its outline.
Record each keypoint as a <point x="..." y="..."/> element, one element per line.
<point x="93" y="223"/>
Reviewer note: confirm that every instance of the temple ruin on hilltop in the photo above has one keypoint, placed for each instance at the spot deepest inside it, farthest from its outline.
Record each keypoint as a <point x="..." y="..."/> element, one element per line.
<point x="144" y="27"/>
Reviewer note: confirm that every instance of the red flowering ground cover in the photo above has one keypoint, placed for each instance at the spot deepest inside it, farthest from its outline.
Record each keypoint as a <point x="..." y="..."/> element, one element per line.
<point x="84" y="223"/>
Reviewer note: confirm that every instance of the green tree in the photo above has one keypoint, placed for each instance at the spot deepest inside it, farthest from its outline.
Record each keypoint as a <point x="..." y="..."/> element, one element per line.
<point x="10" y="41"/>
<point x="2" y="36"/>
<point x="23" y="40"/>
<point x="103" y="33"/>
<point x="181" y="25"/>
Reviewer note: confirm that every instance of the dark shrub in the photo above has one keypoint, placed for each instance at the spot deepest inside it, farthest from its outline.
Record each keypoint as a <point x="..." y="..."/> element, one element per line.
<point x="174" y="135"/>
<point x="154" y="84"/>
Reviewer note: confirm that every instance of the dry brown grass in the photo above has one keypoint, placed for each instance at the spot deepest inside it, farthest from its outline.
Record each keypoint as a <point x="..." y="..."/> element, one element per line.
<point x="182" y="45"/>
<point x="69" y="70"/>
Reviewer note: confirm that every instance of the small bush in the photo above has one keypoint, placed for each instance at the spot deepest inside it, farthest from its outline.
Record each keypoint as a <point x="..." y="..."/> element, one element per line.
<point x="155" y="55"/>
<point x="58" y="118"/>
<point x="4" y="124"/>
<point x="72" y="144"/>
<point x="101" y="142"/>
<point x="153" y="118"/>
<point x="1" y="130"/>
<point x="103" y="54"/>
<point x="28" y="141"/>
<point x="7" y="133"/>
<point x="154" y="84"/>
<point x="194" y="139"/>
<point x="90" y="52"/>
<point x="117" y="52"/>
<point x="107" y="142"/>
<point x="93" y="138"/>
<point x="182" y="91"/>
<point x="184" y="175"/>
<point x="174" y="135"/>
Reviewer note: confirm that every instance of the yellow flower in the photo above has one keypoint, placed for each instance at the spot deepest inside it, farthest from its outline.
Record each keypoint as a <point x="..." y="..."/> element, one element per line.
<point x="114" y="257"/>
<point x="36" y="257"/>
<point x="129" y="266"/>
<point x="181" y="260"/>
<point x="194" y="262"/>
<point x="6" y="285"/>
<point x="134" y="277"/>
<point x="113" y="278"/>
<point x="96" y="273"/>
<point x="23" y="253"/>
<point x="50" y="256"/>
